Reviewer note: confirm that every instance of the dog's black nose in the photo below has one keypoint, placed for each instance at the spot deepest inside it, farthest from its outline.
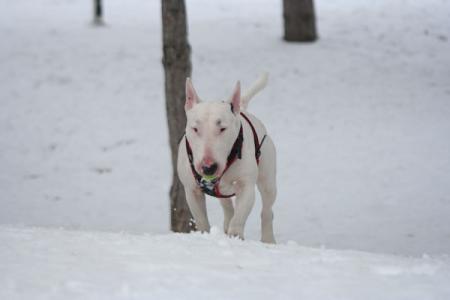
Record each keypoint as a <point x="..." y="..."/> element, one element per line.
<point x="209" y="170"/>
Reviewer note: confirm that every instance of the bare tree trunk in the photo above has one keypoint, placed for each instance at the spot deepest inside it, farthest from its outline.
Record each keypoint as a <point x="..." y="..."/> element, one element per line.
<point x="177" y="66"/>
<point x="299" y="20"/>
<point x="98" y="12"/>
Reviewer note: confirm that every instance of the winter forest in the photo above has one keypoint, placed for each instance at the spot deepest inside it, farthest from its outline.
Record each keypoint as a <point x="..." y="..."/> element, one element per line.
<point x="94" y="105"/>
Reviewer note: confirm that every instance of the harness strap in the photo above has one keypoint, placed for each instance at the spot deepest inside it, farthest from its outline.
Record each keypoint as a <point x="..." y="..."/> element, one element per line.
<point x="255" y="138"/>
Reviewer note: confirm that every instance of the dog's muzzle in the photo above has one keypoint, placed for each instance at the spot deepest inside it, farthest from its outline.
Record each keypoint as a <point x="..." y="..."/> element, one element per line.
<point x="210" y="170"/>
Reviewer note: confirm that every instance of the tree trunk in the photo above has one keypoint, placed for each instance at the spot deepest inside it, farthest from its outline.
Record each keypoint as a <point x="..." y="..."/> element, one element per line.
<point x="299" y="20"/>
<point x="98" y="12"/>
<point x="177" y="66"/>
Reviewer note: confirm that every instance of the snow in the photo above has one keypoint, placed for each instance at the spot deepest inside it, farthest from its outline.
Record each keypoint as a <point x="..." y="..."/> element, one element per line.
<point x="60" y="264"/>
<point x="360" y="120"/>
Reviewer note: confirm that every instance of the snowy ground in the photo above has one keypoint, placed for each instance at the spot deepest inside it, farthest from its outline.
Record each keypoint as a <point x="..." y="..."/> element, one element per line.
<point x="360" y="118"/>
<point x="123" y="266"/>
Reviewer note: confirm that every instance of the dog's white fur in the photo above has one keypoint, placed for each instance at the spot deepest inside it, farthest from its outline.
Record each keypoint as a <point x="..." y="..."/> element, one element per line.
<point x="211" y="130"/>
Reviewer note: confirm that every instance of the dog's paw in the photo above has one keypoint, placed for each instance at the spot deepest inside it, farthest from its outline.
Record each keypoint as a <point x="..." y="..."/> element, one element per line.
<point x="203" y="228"/>
<point x="235" y="232"/>
<point x="268" y="240"/>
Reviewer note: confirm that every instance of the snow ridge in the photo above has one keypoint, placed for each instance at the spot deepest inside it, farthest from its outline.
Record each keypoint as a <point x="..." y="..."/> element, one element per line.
<point x="38" y="263"/>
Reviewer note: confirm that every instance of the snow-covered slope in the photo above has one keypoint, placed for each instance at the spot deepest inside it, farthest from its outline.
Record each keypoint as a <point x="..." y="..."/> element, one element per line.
<point x="59" y="264"/>
<point x="360" y="118"/>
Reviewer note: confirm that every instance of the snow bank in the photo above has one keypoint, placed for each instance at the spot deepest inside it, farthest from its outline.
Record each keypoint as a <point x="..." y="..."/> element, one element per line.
<point x="60" y="264"/>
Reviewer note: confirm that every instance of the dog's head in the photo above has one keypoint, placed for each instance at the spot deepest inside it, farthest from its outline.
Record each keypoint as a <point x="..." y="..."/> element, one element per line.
<point x="211" y="129"/>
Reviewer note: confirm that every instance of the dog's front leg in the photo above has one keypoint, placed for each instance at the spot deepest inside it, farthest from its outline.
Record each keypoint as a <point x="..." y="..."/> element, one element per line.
<point x="245" y="198"/>
<point x="228" y="212"/>
<point x="197" y="205"/>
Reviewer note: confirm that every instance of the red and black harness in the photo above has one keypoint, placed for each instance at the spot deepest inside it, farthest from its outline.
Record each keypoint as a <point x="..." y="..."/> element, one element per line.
<point x="211" y="187"/>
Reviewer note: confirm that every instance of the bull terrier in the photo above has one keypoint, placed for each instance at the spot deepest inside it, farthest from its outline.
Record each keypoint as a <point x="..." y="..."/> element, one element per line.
<point x="224" y="153"/>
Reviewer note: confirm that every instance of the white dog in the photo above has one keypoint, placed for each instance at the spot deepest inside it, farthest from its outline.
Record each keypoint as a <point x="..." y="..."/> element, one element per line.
<point x="224" y="153"/>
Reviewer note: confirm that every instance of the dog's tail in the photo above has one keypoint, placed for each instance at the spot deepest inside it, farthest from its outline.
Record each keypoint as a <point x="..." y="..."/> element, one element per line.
<point x="254" y="89"/>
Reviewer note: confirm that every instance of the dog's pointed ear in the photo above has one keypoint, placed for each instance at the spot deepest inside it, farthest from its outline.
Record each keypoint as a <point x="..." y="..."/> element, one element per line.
<point x="191" y="95"/>
<point x="236" y="99"/>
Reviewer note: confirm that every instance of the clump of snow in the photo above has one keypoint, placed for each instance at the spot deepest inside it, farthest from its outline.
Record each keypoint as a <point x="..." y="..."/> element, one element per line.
<point x="59" y="264"/>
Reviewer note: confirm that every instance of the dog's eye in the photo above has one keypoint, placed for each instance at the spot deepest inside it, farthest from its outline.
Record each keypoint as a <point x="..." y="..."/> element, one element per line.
<point x="222" y="129"/>
<point x="195" y="129"/>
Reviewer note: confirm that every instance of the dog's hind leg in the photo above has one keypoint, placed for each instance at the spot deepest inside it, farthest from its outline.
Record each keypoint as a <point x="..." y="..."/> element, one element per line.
<point x="267" y="187"/>
<point x="197" y="205"/>
<point x="228" y="212"/>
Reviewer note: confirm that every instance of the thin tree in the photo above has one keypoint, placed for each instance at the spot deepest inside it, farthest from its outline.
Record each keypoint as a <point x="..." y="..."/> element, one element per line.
<point x="299" y="20"/>
<point x="177" y="66"/>
<point x="98" y="12"/>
